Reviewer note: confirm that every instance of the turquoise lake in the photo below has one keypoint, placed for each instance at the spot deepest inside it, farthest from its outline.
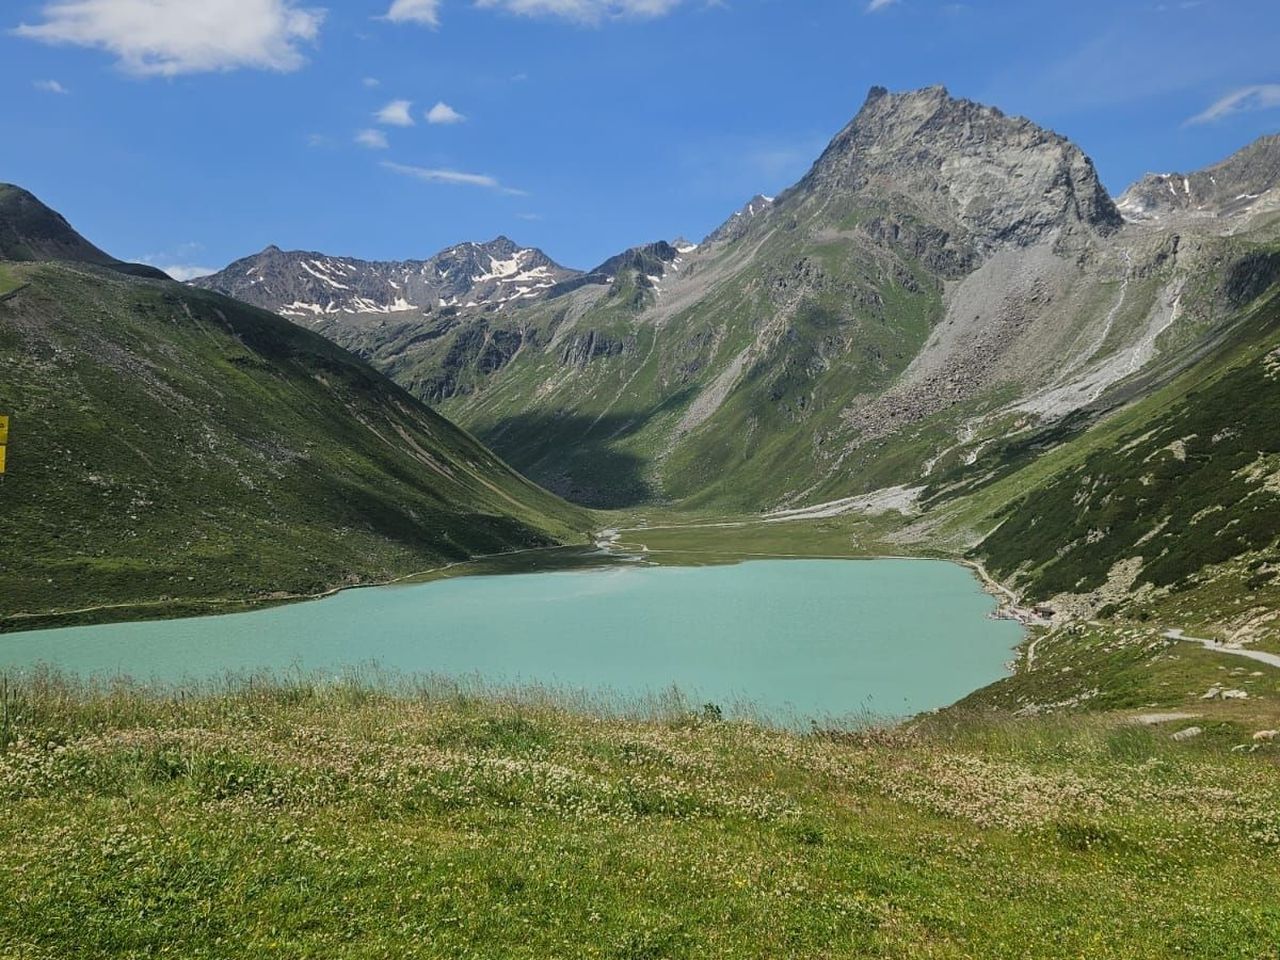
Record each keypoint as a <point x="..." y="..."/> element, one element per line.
<point x="794" y="639"/>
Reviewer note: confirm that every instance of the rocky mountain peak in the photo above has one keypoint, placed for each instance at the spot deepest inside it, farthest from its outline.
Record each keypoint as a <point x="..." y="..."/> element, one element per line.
<point x="961" y="164"/>
<point x="1245" y="183"/>
<point x="742" y="219"/>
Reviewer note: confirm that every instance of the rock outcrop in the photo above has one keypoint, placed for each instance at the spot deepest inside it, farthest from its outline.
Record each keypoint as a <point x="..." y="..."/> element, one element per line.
<point x="997" y="179"/>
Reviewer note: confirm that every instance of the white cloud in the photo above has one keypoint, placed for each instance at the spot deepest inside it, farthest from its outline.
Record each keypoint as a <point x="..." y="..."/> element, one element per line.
<point x="373" y="139"/>
<point x="176" y="261"/>
<point x="170" y="37"/>
<point x="371" y="82"/>
<point x="396" y="114"/>
<point x="875" y="5"/>
<point x="49" y="86"/>
<point x="1262" y="96"/>
<point x="585" y="11"/>
<point x="455" y="177"/>
<point x="184" y="272"/>
<point x="425" y="12"/>
<point x="443" y="113"/>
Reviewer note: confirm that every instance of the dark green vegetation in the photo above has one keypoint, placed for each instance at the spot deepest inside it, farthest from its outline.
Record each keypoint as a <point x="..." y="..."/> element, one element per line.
<point x="342" y="822"/>
<point x="172" y="448"/>
<point x="1164" y="515"/>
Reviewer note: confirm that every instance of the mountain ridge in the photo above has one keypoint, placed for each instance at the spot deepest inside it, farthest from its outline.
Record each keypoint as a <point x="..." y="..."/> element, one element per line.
<point x="312" y="285"/>
<point x="944" y="275"/>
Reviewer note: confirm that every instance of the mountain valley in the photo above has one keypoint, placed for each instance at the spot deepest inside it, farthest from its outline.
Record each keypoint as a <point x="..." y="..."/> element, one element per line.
<point x="894" y="572"/>
<point x="173" y="449"/>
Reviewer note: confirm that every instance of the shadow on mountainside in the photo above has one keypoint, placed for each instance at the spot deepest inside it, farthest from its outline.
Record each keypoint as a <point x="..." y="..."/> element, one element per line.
<point x="575" y="456"/>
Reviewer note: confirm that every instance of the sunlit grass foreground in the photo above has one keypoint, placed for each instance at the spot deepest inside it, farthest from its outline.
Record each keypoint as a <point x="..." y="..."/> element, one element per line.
<point x="421" y="819"/>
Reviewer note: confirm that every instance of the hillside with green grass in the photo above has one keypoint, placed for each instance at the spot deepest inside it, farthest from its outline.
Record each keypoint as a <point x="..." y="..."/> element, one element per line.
<point x="30" y="231"/>
<point x="1187" y="482"/>
<point x="350" y="821"/>
<point x="172" y="450"/>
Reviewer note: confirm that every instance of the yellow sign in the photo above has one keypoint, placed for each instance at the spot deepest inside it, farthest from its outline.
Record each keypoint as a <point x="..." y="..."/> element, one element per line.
<point x="2" y="450"/>
<point x="4" y="439"/>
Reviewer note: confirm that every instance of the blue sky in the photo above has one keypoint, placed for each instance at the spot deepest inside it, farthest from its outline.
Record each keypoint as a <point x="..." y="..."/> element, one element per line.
<point x="192" y="132"/>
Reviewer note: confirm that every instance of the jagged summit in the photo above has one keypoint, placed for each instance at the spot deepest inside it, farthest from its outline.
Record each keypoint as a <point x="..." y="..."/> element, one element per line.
<point x="30" y="230"/>
<point x="299" y="283"/>
<point x="999" y="179"/>
<point x="1244" y="183"/>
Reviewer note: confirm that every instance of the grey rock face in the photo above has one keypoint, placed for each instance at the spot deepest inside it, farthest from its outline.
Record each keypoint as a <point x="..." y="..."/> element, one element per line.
<point x="996" y="179"/>
<point x="302" y="284"/>
<point x="741" y="221"/>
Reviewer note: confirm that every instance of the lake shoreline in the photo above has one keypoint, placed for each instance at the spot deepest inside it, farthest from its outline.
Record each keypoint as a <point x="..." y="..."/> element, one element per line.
<point x="606" y="544"/>
<point x="818" y="639"/>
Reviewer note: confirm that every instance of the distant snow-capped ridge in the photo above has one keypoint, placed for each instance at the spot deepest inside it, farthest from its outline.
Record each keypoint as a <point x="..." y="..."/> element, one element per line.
<point x="304" y="284"/>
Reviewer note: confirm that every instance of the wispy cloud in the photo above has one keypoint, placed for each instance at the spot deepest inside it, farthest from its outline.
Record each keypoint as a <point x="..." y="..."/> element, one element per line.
<point x="442" y="113"/>
<point x="50" y="86"/>
<point x="182" y="272"/>
<point x="424" y="12"/>
<point x="585" y="11"/>
<point x="1261" y="96"/>
<point x="454" y="177"/>
<point x="373" y="139"/>
<point x="371" y="82"/>
<point x="874" y="6"/>
<point x="171" y="37"/>
<point x="177" y="262"/>
<point x="588" y="12"/>
<point x="396" y="114"/>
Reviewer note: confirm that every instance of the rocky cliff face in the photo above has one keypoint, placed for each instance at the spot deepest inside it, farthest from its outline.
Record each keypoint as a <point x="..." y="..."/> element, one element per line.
<point x="313" y="286"/>
<point x="998" y="179"/>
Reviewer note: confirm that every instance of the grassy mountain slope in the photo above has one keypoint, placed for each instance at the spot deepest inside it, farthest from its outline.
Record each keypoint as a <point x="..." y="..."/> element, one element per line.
<point x="174" y="444"/>
<point x="624" y="393"/>
<point x="30" y="231"/>
<point x="1175" y="498"/>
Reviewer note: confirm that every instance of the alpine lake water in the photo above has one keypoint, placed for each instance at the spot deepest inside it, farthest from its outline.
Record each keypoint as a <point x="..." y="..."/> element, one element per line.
<point x="784" y="640"/>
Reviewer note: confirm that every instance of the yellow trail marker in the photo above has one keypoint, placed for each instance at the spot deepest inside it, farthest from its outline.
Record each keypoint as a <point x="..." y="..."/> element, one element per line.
<point x="4" y="439"/>
<point x="2" y="450"/>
